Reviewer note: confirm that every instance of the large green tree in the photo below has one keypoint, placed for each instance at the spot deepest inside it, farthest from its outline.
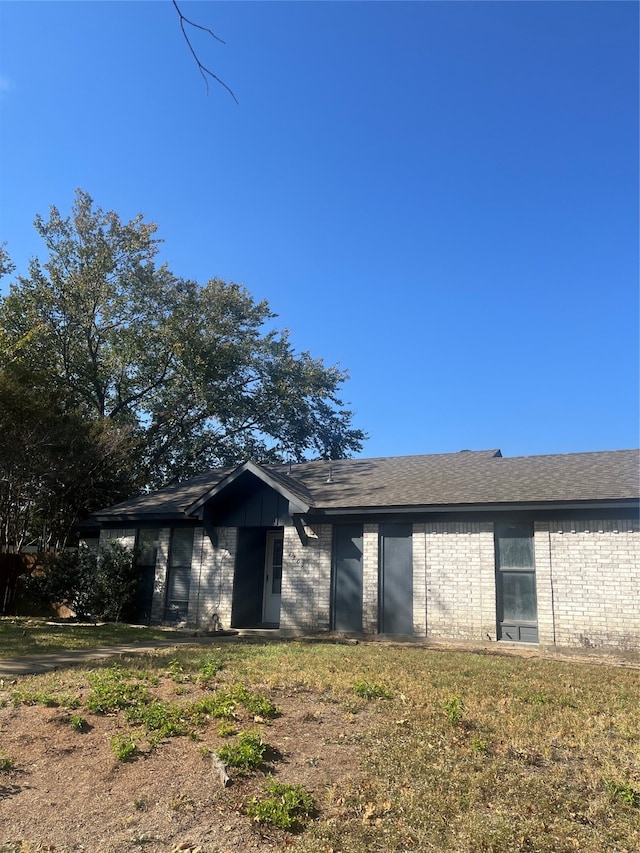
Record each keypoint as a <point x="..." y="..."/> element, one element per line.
<point x="196" y="373"/>
<point x="56" y="465"/>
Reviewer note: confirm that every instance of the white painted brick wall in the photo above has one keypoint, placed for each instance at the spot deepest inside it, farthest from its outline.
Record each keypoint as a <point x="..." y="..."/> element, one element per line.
<point x="419" y="580"/>
<point x="124" y="536"/>
<point x="460" y="579"/>
<point x="594" y="583"/>
<point x="370" y="561"/>
<point x="306" y="579"/>
<point x="587" y="580"/>
<point x="212" y="574"/>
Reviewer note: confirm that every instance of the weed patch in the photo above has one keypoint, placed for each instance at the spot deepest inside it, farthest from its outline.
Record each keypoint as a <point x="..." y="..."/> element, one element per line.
<point x="246" y="754"/>
<point x="369" y="690"/>
<point x="158" y="717"/>
<point x="78" y="723"/>
<point x="287" y="807"/>
<point x="124" y="747"/>
<point x="113" y="689"/>
<point x="455" y="710"/>
<point x="623" y="792"/>
<point x="256" y="704"/>
<point x="6" y="763"/>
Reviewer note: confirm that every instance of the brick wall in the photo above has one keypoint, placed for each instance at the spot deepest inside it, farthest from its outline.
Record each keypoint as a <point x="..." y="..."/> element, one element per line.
<point x="370" y="558"/>
<point x="306" y="579"/>
<point x="419" y="542"/>
<point x="211" y="591"/>
<point x="460" y="579"/>
<point x="588" y="575"/>
<point x="587" y="580"/>
<point x="124" y="536"/>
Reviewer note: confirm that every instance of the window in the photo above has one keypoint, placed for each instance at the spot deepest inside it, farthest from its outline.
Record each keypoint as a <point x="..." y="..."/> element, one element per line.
<point x="179" y="574"/>
<point x="516" y="583"/>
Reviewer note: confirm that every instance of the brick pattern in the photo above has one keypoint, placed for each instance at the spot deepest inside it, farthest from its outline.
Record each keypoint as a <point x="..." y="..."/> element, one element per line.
<point x="160" y="582"/>
<point x="306" y="579"/>
<point x="125" y="536"/>
<point x="587" y="580"/>
<point x="212" y="578"/>
<point x="594" y="583"/>
<point x="419" y="580"/>
<point x="460" y="580"/>
<point x="370" y="563"/>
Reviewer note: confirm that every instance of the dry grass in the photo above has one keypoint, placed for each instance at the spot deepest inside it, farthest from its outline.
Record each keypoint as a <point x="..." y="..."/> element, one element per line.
<point x="456" y="752"/>
<point x="26" y="636"/>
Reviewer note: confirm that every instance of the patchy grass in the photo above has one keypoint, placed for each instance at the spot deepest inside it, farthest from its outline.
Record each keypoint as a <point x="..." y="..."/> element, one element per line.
<point x="285" y="806"/>
<point x="366" y="690"/>
<point x="468" y="753"/>
<point x="20" y="636"/>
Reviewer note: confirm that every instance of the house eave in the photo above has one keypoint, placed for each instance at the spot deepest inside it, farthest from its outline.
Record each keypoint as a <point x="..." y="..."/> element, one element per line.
<point x="157" y="519"/>
<point x="332" y="513"/>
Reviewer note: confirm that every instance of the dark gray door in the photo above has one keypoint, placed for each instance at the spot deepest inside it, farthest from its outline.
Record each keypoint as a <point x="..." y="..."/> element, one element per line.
<point x="396" y="579"/>
<point x="516" y="583"/>
<point x="248" y="580"/>
<point x="347" y="577"/>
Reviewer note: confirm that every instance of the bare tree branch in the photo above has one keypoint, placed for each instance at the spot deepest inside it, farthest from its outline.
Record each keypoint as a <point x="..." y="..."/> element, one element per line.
<point x="202" y="68"/>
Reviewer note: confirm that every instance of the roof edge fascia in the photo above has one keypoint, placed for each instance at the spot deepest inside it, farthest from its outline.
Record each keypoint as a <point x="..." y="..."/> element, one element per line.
<point x="552" y="506"/>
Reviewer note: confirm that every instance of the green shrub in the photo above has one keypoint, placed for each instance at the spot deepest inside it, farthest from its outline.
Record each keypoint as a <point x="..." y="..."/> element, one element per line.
<point x="246" y="754"/>
<point x="93" y="584"/>
<point x="124" y="747"/>
<point x="286" y="806"/>
<point x="114" y="583"/>
<point x="67" y="578"/>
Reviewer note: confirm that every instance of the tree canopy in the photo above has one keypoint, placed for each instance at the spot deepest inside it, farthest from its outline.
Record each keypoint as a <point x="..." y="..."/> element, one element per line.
<point x="191" y="375"/>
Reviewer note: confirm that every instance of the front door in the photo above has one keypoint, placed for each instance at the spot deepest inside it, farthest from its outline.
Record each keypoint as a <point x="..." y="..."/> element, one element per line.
<point x="273" y="577"/>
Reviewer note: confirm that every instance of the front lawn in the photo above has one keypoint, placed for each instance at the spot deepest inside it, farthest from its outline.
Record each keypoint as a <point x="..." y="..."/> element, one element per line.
<point x="381" y="748"/>
<point x="22" y="636"/>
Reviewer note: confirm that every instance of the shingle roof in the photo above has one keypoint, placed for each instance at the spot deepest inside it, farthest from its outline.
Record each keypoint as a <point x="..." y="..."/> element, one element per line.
<point x="468" y="478"/>
<point x="475" y="478"/>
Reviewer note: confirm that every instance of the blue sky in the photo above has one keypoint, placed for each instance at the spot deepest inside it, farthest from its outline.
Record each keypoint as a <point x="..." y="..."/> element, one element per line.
<point x="440" y="197"/>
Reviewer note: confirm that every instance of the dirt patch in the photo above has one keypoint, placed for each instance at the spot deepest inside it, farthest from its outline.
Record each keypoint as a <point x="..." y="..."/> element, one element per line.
<point x="68" y="792"/>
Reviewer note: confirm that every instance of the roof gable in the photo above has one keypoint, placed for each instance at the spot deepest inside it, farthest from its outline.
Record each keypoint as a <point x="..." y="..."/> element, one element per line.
<point x="290" y="490"/>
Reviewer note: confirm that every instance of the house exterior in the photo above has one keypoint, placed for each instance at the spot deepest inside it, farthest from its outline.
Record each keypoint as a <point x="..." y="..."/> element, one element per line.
<point x="467" y="546"/>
